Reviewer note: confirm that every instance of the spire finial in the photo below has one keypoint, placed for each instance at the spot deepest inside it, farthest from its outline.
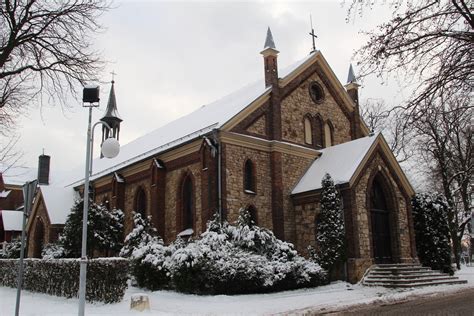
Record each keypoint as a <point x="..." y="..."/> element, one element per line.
<point x="113" y="73"/>
<point x="313" y="35"/>
<point x="269" y="43"/>
<point x="351" y="78"/>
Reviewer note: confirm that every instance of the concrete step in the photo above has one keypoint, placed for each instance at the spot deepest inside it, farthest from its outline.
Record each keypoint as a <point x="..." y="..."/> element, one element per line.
<point x="418" y="284"/>
<point x="408" y="281"/>
<point x="406" y="275"/>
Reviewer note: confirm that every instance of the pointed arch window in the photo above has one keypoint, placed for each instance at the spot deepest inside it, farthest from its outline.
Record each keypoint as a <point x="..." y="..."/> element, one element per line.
<point x="318" y="131"/>
<point x="187" y="203"/>
<point x="328" y="134"/>
<point x="308" y="131"/>
<point x="249" y="177"/>
<point x="141" y="202"/>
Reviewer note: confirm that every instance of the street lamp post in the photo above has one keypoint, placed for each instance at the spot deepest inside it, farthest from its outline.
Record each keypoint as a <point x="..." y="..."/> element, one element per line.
<point x="110" y="149"/>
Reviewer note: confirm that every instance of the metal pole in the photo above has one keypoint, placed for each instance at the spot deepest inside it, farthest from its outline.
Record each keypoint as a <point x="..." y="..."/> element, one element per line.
<point x="20" y="271"/>
<point x="83" y="271"/>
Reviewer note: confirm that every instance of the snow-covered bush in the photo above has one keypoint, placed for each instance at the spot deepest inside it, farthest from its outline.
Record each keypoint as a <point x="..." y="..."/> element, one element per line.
<point x="147" y="254"/>
<point x="330" y="231"/>
<point x="53" y="251"/>
<point x="104" y="230"/>
<point x="430" y="221"/>
<point x="12" y="249"/>
<point x="230" y="259"/>
<point x="106" y="277"/>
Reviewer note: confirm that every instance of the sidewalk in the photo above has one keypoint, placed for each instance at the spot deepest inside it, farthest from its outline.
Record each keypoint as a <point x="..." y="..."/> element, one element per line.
<point x="334" y="297"/>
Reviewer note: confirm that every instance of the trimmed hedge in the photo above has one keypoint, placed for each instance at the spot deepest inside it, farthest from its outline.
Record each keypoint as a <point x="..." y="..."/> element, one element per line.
<point x="106" y="277"/>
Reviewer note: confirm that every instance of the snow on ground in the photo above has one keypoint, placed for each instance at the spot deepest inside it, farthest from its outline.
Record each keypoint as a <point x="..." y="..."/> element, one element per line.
<point x="337" y="295"/>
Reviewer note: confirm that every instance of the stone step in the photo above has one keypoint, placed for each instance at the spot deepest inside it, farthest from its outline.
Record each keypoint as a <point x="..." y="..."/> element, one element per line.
<point x="404" y="276"/>
<point x="418" y="284"/>
<point x="407" y="281"/>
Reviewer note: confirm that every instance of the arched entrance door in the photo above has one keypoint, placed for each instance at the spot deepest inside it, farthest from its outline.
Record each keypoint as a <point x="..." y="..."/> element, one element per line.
<point x="380" y="219"/>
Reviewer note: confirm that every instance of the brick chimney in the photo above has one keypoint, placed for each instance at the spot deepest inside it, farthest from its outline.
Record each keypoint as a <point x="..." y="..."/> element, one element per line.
<point x="270" y="55"/>
<point x="43" y="169"/>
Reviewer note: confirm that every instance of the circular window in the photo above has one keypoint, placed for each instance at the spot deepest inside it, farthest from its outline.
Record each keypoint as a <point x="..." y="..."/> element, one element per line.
<point x="316" y="92"/>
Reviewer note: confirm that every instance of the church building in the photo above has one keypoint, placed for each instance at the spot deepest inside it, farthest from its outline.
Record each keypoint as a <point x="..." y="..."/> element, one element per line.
<point x="265" y="147"/>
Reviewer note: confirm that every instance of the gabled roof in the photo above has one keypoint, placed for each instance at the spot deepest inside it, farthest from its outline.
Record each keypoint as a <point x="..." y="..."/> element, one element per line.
<point x="344" y="163"/>
<point x="12" y="220"/>
<point x="58" y="201"/>
<point x="340" y="161"/>
<point x="198" y="123"/>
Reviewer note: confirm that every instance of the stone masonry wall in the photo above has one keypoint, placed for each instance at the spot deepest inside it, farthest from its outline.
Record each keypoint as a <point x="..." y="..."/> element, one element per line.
<point x="40" y="214"/>
<point x="293" y="169"/>
<point x="299" y="103"/>
<point x="259" y="126"/>
<point x="306" y="226"/>
<point x="236" y="197"/>
<point x="173" y="184"/>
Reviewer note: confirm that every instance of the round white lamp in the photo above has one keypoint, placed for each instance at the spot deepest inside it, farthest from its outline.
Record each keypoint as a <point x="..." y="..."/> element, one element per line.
<point x="110" y="148"/>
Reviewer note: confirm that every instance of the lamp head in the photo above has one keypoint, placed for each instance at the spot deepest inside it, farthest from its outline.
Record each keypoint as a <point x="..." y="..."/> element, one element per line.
<point x="110" y="148"/>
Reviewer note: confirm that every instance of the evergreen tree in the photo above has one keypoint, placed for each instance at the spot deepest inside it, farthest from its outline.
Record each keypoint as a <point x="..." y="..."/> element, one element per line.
<point x="432" y="231"/>
<point x="142" y="234"/>
<point x="104" y="230"/>
<point x="330" y="231"/>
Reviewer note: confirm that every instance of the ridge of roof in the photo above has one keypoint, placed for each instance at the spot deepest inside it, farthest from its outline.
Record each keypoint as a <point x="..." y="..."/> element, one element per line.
<point x="195" y="124"/>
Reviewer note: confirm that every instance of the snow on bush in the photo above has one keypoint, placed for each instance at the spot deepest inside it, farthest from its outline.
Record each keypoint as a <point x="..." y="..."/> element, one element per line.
<point x="330" y="231"/>
<point x="430" y="221"/>
<point x="147" y="254"/>
<point x="53" y="251"/>
<point x="229" y="259"/>
<point x="12" y="249"/>
<point x="106" y="277"/>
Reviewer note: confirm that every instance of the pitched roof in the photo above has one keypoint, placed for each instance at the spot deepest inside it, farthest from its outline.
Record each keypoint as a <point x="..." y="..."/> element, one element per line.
<point x="340" y="161"/>
<point x="58" y="202"/>
<point x="12" y="220"/>
<point x="200" y="122"/>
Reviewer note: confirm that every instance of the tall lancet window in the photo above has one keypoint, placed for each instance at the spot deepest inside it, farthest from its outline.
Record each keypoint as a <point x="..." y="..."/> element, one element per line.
<point x="328" y="134"/>
<point x="249" y="177"/>
<point x="140" y="202"/>
<point x="308" y="131"/>
<point x="188" y="203"/>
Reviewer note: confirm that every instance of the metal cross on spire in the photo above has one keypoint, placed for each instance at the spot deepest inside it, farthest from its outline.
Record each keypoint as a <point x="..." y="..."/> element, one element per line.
<point x="113" y="73"/>
<point x="313" y="36"/>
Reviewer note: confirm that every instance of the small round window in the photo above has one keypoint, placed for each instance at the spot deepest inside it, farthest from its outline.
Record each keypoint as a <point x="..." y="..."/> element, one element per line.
<point x="316" y="92"/>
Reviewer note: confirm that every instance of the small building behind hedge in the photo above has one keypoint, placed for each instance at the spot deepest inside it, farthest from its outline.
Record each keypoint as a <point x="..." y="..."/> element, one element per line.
<point x="263" y="148"/>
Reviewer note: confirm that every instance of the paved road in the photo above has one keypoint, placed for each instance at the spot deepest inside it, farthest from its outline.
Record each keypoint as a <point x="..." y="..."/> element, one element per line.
<point x="461" y="303"/>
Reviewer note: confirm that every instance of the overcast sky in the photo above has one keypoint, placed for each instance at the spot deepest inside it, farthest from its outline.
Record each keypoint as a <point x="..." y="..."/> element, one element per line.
<point x="173" y="57"/>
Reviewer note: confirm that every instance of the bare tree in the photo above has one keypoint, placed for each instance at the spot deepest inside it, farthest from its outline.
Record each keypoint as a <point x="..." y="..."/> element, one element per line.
<point x="10" y="155"/>
<point x="379" y="117"/>
<point x="45" y="51"/>
<point x="429" y="42"/>
<point x="442" y="138"/>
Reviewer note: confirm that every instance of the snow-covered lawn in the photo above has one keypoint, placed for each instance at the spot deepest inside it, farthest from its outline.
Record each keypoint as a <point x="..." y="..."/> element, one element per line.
<point x="334" y="296"/>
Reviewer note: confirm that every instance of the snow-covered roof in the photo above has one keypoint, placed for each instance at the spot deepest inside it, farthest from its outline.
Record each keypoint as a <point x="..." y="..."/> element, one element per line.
<point x="17" y="175"/>
<point x="340" y="161"/>
<point x="198" y="123"/>
<point x="58" y="202"/>
<point x="12" y="220"/>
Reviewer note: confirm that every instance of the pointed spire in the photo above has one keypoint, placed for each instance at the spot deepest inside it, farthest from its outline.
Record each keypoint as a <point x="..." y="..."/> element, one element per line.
<point x="269" y="43"/>
<point x="111" y="111"/>
<point x="111" y="117"/>
<point x="351" y="78"/>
